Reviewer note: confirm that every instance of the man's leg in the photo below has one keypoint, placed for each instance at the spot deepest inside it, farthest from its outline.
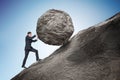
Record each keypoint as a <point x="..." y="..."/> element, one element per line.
<point x="25" y="58"/>
<point x="36" y="52"/>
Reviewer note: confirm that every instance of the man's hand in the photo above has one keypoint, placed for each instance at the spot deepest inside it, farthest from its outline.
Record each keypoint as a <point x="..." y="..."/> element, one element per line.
<point x="35" y="35"/>
<point x="36" y="39"/>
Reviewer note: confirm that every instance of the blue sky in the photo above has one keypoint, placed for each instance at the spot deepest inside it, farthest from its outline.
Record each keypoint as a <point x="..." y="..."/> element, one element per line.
<point x="17" y="17"/>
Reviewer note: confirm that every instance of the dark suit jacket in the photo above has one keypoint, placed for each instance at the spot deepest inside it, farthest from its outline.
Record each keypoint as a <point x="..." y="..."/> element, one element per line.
<point x="28" y="41"/>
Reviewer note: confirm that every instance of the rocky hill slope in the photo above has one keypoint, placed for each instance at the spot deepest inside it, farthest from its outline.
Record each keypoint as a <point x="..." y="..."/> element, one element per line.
<point x="92" y="54"/>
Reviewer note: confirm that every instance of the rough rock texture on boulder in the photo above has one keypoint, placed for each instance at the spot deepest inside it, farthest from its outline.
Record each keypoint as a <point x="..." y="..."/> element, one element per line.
<point x="54" y="27"/>
<point x="92" y="54"/>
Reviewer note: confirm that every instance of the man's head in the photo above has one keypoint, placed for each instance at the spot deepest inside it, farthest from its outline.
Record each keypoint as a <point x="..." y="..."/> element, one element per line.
<point x="29" y="34"/>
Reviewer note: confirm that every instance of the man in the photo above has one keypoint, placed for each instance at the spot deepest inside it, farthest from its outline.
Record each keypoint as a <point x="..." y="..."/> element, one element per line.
<point x="28" y="47"/>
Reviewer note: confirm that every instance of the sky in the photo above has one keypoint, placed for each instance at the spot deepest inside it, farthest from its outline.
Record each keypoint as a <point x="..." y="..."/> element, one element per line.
<point x="17" y="17"/>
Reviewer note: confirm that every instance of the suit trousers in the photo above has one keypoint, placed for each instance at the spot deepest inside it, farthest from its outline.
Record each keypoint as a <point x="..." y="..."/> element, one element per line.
<point x="27" y="53"/>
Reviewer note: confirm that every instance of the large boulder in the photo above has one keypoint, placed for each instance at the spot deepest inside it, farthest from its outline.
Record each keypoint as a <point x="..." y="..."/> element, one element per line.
<point x="92" y="54"/>
<point x="54" y="27"/>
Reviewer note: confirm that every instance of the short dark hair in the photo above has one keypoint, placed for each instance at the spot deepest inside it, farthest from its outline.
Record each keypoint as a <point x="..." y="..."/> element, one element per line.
<point x="29" y="32"/>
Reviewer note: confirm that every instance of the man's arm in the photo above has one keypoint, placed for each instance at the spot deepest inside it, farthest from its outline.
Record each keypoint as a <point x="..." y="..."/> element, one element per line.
<point x="31" y="37"/>
<point x="34" y="40"/>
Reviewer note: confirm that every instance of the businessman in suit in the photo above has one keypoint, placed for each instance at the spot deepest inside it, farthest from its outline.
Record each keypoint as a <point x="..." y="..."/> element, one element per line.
<point x="28" y="48"/>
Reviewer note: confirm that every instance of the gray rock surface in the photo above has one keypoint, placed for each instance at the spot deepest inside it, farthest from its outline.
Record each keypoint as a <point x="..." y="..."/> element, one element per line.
<point x="54" y="27"/>
<point x="92" y="54"/>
